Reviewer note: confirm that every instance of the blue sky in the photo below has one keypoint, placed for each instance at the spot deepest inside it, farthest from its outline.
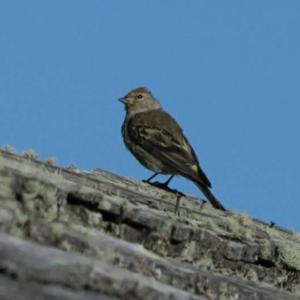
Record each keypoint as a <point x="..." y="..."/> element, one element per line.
<point x="228" y="71"/>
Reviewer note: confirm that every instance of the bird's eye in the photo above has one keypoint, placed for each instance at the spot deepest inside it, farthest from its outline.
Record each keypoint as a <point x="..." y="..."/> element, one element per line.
<point x="139" y="96"/>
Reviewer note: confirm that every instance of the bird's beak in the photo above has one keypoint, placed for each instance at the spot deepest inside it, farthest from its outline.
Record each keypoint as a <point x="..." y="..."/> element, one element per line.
<point x="122" y="100"/>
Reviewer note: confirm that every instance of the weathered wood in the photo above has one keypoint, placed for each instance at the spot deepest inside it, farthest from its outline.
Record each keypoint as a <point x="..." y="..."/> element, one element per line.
<point x="11" y="289"/>
<point x="47" y="265"/>
<point x="129" y="226"/>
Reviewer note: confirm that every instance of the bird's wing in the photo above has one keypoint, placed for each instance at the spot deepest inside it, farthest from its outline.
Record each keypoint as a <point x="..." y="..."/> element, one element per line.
<point x="164" y="139"/>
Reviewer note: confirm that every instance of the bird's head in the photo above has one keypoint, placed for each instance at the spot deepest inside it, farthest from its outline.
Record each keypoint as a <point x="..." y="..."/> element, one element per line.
<point x="139" y="100"/>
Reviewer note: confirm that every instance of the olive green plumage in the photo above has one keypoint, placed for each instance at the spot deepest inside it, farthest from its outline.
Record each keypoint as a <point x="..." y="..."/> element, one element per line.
<point x="158" y="142"/>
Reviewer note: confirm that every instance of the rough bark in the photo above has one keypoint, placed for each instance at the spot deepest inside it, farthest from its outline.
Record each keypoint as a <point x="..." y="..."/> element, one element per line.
<point x="70" y="234"/>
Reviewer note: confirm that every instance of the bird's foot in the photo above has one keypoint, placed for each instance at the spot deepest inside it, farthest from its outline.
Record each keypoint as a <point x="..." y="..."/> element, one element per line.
<point x="165" y="187"/>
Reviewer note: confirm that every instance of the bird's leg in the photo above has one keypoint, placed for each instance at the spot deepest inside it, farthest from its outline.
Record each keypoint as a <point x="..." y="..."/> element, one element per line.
<point x="163" y="185"/>
<point x="150" y="178"/>
<point x="168" y="181"/>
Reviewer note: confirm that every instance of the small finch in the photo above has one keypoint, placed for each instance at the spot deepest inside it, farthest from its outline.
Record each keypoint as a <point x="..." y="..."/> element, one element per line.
<point x="158" y="142"/>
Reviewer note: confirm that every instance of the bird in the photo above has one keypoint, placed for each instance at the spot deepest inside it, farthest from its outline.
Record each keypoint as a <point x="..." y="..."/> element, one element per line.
<point x="157" y="141"/>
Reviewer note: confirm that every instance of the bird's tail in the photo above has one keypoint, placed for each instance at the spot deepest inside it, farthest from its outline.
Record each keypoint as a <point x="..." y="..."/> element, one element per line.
<point x="210" y="197"/>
